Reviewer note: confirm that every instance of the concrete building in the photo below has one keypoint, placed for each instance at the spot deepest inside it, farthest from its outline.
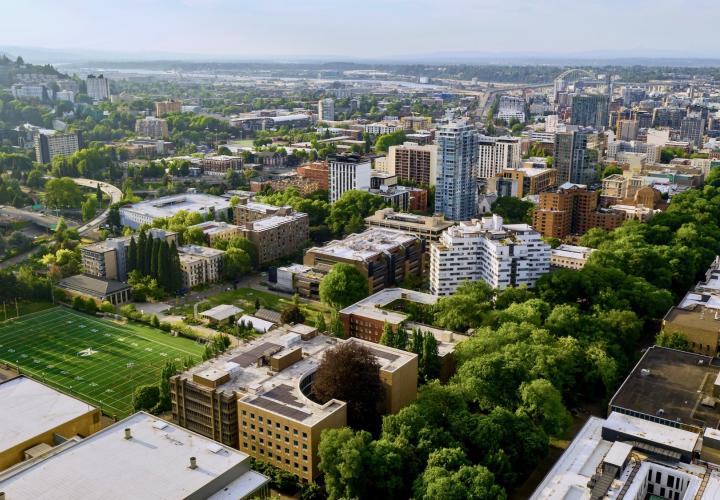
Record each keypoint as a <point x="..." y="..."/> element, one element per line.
<point x="616" y="148"/>
<point x="218" y="165"/>
<point x="35" y="418"/>
<point x="497" y="154"/>
<point x="384" y="256"/>
<point x="692" y="129"/>
<point x="200" y="265"/>
<point x="569" y="257"/>
<point x="414" y="163"/>
<point x="50" y="144"/>
<point x="98" y="289"/>
<point x="348" y="172"/>
<point x="145" y="212"/>
<point x="382" y="128"/>
<point x="318" y="172"/>
<point x="524" y="181"/>
<point x="627" y="130"/>
<point x="217" y="230"/>
<point x="590" y="111"/>
<point x="155" y="128"/>
<point x="256" y="397"/>
<point x="141" y="457"/>
<point x="38" y="92"/>
<point x="416" y="122"/>
<point x="326" y="110"/>
<point x="278" y="236"/>
<point x="456" y="187"/>
<point x="424" y="227"/>
<point x="98" y="87"/>
<point x="487" y="249"/>
<point x="511" y="108"/>
<point x="169" y="106"/>
<point x="576" y="156"/>
<point x="572" y="209"/>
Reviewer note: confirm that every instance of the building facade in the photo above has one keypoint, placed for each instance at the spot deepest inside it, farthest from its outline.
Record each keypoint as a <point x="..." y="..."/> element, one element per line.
<point x="162" y="108"/>
<point x="318" y="172"/>
<point x="590" y="111"/>
<point x="521" y="182"/>
<point x="496" y="154"/>
<point x="348" y="172"/>
<point x="326" y="110"/>
<point x="413" y="163"/>
<point x="427" y="228"/>
<point x="155" y="128"/>
<point x="576" y="156"/>
<point x="50" y="145"/>
<point x="200" y="265"/>
<point x="98" y="87"/>
<point x="456" y="186"/>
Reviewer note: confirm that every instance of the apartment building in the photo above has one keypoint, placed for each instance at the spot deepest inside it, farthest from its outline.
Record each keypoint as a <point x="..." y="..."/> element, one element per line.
<point x="382" y="128"/>
<point x="524" y="181"/>
<point x="326" y="110"/>
<point x="427" y="228"/>
<point x="590" y="111"/>
<point x="98" y="87"/>
<point x="500" y="254"/>
<point x="510" y="108"/>
<point x="348" y="172"/>
<point x="278" y="236"/>
<point x="576" y="155"/>
<point x="255" y="397"/>
<point x="200" y="265"/>
<point x="570" y="257"/>
<point x="456" y="192"/>
<point x="317" y="171"/>
<point x="496" y="154"/>
<point x="416" y="122"/>
<point x="218" y="230"/>
<point x="572" y="210"/>
<point x="412" y="162"/>
<point x="162" y="108"/>
<point x="219" y="165"/>
<point x="384" y="256"/>
<point x="50" y="144"/>
<point x="155" y="128"/>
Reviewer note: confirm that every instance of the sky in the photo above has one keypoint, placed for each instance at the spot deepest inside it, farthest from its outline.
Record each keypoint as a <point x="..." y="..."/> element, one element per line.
<point x="365" y="29"/>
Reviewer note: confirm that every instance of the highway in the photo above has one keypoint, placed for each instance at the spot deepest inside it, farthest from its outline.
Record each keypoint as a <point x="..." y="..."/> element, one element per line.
<point x="113" y="192"/>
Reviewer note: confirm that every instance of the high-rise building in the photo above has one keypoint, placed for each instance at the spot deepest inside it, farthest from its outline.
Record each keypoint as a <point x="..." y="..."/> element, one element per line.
<point x="348" y="172"/>
<point x="500" y="254"/>
<point x="668" y="117"/>
<point x="414" y="163"/>
<point x="49" y="144"/>
<point x="98" y="87"/>
<point x="627" y="130"/>
<point x="511" y="108"/>
<point x="576" y="156"/>
<point x="496" y="154"/>
<point x="155" y="128"/>
<point x="632" y="95"/>
<point x="523" y="181"/>
<point x="326" y="110"/>
<point x="692" y="129"/>
<point x="456" y="191"/>
<point x="590" y="111"/>
<point x="169" y="106"/>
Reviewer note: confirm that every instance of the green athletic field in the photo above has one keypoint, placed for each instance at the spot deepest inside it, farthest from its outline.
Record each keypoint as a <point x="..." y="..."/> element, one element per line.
<point x="94" y="359"/>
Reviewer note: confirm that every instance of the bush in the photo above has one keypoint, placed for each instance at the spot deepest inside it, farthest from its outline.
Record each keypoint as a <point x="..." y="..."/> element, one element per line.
<point x="107" y="307"/>
<point x="90" y="306"/>
<point x="146" y="397"/>
<point x="78" y="303"/>
<point x="154" y="321"/>
<point x="165" y="326"/>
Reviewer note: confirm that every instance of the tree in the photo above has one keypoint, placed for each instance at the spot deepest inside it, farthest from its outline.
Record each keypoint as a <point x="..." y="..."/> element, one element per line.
<point x="35" y="179"/>
<point x="248" y="247"/>
<point x="62" y="193"/>
<point x="236" y="263"/>
<point x="349" y="372"/>
<point x="513" y="210"/>
<point x="543" y="404"/>
<point x="383" y="142"/>
<point x="146" y="398"/>
<point x="132" y="255"/>
<point x="320" y="323"/>
<point x="674" y="340"/>
<point x="98" y="195"/>
<point x="342" y="286"/>
<point x="88" y="209"/>
<point x="168" y="371"/>
<point x="292" y="315"/>
<point x="347" y="214"/>
<point x="467" y="308"/>
<point x="141" y="250"/>
<point x="388" y="335"/>
<point x="164" y="266"/>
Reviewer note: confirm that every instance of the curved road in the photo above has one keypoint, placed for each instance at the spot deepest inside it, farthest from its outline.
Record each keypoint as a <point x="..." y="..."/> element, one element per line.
<point x="113" y="192"/>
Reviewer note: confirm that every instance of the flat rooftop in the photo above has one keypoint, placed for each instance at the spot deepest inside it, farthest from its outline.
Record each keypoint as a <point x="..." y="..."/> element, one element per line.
<point x="29" y="408"/>
<point x="214" y="227"/>
<point x="167" y="206"/>
<point x="280" y="391"/>
<point x="675" y="382"/>
<point x="365" y="245"/>
<point x="275" y="221"/>
<point x="199" y="251"/>
<point x="571" y="252"/>
<point x="153" y="464"/>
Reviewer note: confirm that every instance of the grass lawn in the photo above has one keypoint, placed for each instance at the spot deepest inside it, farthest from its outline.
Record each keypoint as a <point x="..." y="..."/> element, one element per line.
<point x="94" y="359"/>
<point x="244" y="298"/>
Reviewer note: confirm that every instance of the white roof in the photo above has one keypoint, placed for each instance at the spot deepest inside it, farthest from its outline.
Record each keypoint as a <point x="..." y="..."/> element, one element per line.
<point x="153" y="464"/>
<point x="29" y="408"/>
<point x="221" y="312"/>
<point x="653" y="432"/>
<point x="618" y="454"/>
<point x="258" y="324"/>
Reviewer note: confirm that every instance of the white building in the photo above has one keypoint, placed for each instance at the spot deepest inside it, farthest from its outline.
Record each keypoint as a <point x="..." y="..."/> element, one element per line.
<point x="381" y="128"/>
<point x="497" y="154"/>
<point x="511" y="107"/>
<point x="65" y="95"/>
<point x="348" y="172"/>
<point x="98" y="87"/>
<point x="39" y="92"/>
<point x="145" y="212"/>
<point x="200" y="265"/>
<point x="326" y="110"/>
<point x="570" y="256"/>
<point x="500" y="254"/>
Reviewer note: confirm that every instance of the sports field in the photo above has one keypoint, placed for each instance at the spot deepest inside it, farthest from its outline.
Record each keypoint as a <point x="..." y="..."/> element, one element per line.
<point x="96" y="360"/>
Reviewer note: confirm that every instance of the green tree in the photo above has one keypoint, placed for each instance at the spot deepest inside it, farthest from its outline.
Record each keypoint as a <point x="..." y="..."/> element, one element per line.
<point x="132" y="255"/>
<point x="347" y="214"/>
<point x="248" y="247"/>
<point x="62" y="193"/>
<point x="146" y="398"/>
<point x="543" y="404"/>
<point x="320" y="323"/>
<point x="513" y="210"/>
<point x="88" y="209"/>
<point x="236" y="263"/>
<point x="674" y="340"/>
<point x="388" y="335"/>
<point x="168" y="370"/>
<point x="383" y="142"/>
<point x="342" y="286"/>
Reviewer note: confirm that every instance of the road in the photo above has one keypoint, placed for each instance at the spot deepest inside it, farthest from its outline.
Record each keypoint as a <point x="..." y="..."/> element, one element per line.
<point x="115" y="196"/>
<point x="47" y="221"/>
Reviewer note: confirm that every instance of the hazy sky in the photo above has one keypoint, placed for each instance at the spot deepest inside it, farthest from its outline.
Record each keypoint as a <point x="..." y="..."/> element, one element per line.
<point x="365" y="28"/>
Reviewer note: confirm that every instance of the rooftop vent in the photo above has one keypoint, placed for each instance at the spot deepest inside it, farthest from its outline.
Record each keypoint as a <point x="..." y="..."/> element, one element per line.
<point x="701" y="361"/>
<point x="193" y="463"/>
<point x="660" y="412"/>
<point x="644" y="372"/>
<point x="128" y="435"/>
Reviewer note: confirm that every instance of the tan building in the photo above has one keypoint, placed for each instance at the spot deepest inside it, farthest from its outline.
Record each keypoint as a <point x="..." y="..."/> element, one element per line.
<point x="249" y="211"/>
<point x="413" y="163"/>
<point x="416" y="122"/>
<point x="521" y="182"/>
<point x="384" y="256"/>
<point x="170" y="106"/>
<point x="200" y="265"/>
<point x="318" y="171"/>
<point x="216" y="230"/>
<point x="256" y="397"/>
<point x="424" y="227"/>
<point x="570" y="256"/>
<point x="156" y="128"/>
<point x="218" y="165"/>
<point x="33" y="416"/>
<point x="278" y="236"/>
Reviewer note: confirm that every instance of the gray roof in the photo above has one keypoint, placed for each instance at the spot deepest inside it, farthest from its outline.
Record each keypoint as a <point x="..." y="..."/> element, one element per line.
<point x="91" y="285"/>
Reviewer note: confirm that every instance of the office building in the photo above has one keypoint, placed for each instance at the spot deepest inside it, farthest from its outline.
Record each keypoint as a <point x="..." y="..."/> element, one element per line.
<point x="145" y="212"/>
<point x="456" y="187"/>
<point x="413" y="163"/>
<point x="524" y="181"/>
<point x="511" y="108"/>
<point x="385" y="257"/>
<point x="427" y="228"/>
<point x="50" y="144"/>
<point x="496" y="154"/>
<point x="670" y="116"/>
<point x="255" y="396"/>
<point x="200" y="265"/>
<point x="36" y="417"/>
<point x="169" y="106"/>
<point x="632" y="95"/>
<point x="155" y="128"/>
<point x="590" y="111"/>
<point x="500" y="254"/>
<point x="572" y="209"/>
<point x="348" y="172"/>
<point x="616" y="149"/>
<point x="326" y="110"/>
<point x="569" y="257"/>
<point x="98" y="87"/>
<point x="692" y="129"/>
<point x="576" y="156"/>
<point x="318" y="172"/>
<point x="140" y="457"/>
